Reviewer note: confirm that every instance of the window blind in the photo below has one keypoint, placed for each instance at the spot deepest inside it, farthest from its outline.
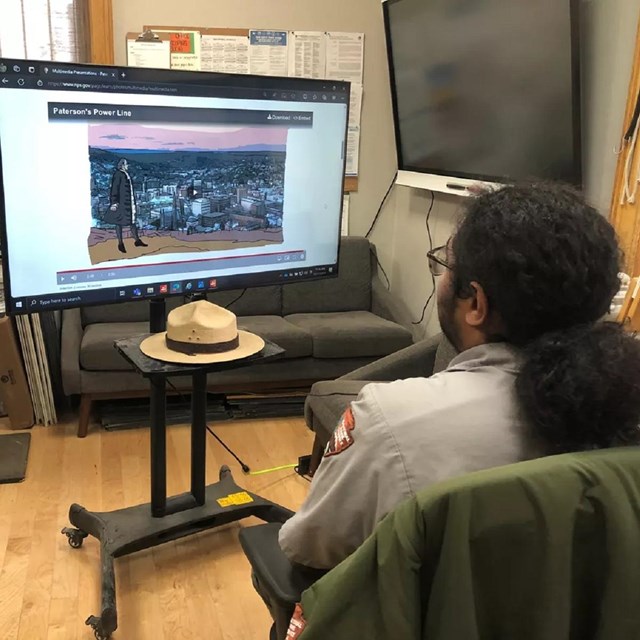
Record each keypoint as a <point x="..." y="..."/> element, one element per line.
<point x="43" y="30"/>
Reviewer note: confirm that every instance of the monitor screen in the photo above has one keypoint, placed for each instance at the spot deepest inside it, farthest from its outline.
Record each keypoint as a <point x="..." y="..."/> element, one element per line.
<point x="126" y="183"/>
<point x="486" y="89"/>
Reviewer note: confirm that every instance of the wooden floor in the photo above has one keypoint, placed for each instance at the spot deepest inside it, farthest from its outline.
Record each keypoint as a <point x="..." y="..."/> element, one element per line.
<point x="195" y="588"/>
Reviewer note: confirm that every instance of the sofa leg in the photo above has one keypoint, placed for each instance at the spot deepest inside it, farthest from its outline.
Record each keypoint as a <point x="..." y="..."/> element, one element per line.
<point x="86" y="403"/>
<point x="316" y="456"/>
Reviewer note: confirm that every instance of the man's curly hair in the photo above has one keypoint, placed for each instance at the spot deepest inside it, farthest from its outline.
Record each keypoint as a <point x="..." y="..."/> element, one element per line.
<point x="545" y="259"/>
<point x="549" y="264"/>
<point x="580" y="387"/>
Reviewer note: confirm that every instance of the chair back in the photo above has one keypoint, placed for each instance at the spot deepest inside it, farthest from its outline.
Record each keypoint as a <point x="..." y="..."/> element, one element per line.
<point x="540" y="550"/>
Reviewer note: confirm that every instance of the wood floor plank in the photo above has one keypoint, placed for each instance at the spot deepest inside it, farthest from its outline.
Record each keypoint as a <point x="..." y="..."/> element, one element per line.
<point x="196" y="588"/>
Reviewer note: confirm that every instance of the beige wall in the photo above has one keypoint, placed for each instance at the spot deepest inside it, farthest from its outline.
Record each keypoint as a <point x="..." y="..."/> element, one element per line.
<point x="608" y="36"/>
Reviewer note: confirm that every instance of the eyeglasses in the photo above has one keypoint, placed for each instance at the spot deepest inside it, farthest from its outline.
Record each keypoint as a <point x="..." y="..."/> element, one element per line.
<point x="438" y="260"/>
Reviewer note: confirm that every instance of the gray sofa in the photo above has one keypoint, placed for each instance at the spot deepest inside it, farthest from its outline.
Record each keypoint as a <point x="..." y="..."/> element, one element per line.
<point x="327" y="400"/>
<point x="327" y="328"/>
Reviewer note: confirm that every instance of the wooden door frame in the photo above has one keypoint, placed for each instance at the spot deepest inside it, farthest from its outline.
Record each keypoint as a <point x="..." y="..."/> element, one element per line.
<point x="100" y="30"/>
<point x="626" y="217"/>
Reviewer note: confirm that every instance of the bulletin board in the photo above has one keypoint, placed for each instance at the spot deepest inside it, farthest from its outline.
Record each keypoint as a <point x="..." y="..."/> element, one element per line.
<point x="325" y="55"/>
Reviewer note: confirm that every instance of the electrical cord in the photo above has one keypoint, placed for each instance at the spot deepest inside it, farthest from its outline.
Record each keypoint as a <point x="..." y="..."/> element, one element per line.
<point x="245" y="468"/>
<point x="384" y="200"/>
<point x="236" y="299"/>
<point x="433" y="279"/>
<point x="373" y="224"/>
<point x="386" y="277"/>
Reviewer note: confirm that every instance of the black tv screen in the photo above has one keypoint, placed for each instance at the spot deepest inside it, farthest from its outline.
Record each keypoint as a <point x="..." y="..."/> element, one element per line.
<point x="486" y="89"/>
<point x="123" y="183"/>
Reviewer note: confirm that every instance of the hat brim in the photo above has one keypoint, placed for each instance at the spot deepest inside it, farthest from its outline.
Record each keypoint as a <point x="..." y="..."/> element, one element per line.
<point x="155" y="347"/>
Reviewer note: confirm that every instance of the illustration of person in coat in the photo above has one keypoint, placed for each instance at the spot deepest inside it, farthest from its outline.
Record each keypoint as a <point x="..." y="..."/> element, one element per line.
<point x="123" y="209"/>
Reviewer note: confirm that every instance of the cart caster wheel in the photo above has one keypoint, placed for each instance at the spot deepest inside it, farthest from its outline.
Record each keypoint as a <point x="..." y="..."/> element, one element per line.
<point x="75" y="537"/>
<point x="96" y="624"/>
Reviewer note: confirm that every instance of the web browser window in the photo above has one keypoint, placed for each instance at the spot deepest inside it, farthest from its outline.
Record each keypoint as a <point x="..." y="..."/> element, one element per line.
<point x="121" y="183"/>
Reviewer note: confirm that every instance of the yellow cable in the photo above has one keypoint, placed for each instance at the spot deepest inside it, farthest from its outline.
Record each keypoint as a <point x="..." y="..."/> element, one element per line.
<point x="284" y="466"/>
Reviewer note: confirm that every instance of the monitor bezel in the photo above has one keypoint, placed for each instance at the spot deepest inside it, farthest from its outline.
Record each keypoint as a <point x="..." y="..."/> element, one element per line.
<point x="196" y="77"/>
<point x="576" y="99"/>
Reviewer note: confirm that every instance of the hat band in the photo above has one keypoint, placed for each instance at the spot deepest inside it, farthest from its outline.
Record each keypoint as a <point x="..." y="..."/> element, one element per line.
<point x="194" y="348"/>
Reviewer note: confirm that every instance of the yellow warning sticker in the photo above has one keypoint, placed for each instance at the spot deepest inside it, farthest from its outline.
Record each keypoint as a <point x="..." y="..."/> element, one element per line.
<point x="234" y="499"/>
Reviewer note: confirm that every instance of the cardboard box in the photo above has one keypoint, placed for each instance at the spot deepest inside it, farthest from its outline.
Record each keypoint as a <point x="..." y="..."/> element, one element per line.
<point x="14" y="389"/>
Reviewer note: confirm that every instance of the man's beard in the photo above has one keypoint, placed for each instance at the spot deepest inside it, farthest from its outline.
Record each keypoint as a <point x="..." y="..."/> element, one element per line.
<point x="446" y="317"/>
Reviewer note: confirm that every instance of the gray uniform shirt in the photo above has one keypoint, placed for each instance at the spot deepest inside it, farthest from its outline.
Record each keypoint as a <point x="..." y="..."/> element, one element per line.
<point x="398" y="438"/>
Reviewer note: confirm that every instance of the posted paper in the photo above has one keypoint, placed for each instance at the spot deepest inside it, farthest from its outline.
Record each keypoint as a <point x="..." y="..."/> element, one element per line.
<point x="225" y="54"/>
<point x="307" y="54"/>
<point x="268" y="53"/>
<point x="355" y="105"/>
<point x="353" y="151"/>
<point x="155" y="54"/>
<point x="185" y="49"/>
<point x="345" y="56"/>
<point x="344" y="230"/>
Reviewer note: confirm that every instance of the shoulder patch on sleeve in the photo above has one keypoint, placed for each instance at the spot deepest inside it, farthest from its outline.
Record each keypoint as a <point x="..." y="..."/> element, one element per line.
<point x="342" y="437"/>
<point x="297" y="624"/>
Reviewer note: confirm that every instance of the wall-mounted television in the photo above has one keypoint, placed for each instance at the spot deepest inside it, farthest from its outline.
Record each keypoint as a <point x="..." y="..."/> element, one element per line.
<point x="484" y="90"/>
<point x="123" y="183"/>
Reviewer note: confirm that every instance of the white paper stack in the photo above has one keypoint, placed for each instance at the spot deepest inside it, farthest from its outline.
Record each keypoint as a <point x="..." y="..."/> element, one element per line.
<point x="2" y="304"/>
<point x="37" y="368"/>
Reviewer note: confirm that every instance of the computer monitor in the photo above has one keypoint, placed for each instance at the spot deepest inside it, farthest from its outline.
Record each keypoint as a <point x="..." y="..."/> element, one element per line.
<point x="123" y="183"/>
<point x="485" y="91"/>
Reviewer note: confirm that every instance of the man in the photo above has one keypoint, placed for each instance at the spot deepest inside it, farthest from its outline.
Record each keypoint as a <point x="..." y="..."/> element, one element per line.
<point x="524" y="280"/>
<point x="123" y="209"/>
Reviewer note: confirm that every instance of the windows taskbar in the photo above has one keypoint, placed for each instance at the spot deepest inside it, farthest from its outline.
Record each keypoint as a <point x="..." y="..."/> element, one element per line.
<point x="193" y="286"/>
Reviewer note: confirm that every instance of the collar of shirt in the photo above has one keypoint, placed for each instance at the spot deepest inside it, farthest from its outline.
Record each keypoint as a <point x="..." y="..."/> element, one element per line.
<point x="493" y="354"/>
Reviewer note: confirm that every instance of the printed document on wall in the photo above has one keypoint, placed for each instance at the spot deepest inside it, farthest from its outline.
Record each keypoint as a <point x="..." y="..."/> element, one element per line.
<point x="345" y="56"/>
<point x="353" y="151"/>
<point x="185" y="49"/>
<point x="355" y="105"/>
<point x="344" y="229"/>
<point x="307" y="54"/>
<point x="268" y="52"/>
<point x="225" y="54"/>
<point x="155" y="54"/>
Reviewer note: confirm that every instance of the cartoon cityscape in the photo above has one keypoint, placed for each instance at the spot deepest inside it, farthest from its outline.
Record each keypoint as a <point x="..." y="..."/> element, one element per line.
<point x="195" y="192"/>
<point x="161" y="188"/>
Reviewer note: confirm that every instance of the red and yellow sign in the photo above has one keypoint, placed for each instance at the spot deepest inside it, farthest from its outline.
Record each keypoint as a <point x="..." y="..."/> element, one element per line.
<point x="181" y="42"/>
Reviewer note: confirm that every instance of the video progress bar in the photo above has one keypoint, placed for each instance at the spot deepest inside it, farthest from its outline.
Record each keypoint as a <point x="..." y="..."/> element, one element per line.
<point x="214" y="265"/>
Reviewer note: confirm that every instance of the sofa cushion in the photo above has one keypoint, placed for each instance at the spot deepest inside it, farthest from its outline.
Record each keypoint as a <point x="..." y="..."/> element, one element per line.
<point x="124" y="311"/>
<point x="296" y="342"/>
<point x="256" y="301"/>
<point x="97" y="352"/>
<point x="351" y="334"/>
<point x="350" y="291"/>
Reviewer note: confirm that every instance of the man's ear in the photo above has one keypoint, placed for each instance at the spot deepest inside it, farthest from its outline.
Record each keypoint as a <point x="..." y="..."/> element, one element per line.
<point x="477" y="312"/>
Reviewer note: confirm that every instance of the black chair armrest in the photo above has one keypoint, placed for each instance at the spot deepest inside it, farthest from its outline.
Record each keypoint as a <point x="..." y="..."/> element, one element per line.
<point x="279" y="582"/>
<point x="285" y="581"/>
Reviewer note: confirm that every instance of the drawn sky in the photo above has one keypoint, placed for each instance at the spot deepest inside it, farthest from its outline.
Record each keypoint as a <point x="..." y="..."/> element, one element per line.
<point x="173" y="138"/>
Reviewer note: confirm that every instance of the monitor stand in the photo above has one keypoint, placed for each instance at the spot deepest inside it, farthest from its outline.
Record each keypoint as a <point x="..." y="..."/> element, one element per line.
<point x="167" y="518"/>
<point x="157" y="315"/>
<point x="158" y="312"/>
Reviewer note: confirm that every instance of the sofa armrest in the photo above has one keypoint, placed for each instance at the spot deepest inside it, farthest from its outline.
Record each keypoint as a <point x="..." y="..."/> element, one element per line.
<point x="415" y="361"/>
<point x="383" y="304"/>
<point x="71" y="339"/>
